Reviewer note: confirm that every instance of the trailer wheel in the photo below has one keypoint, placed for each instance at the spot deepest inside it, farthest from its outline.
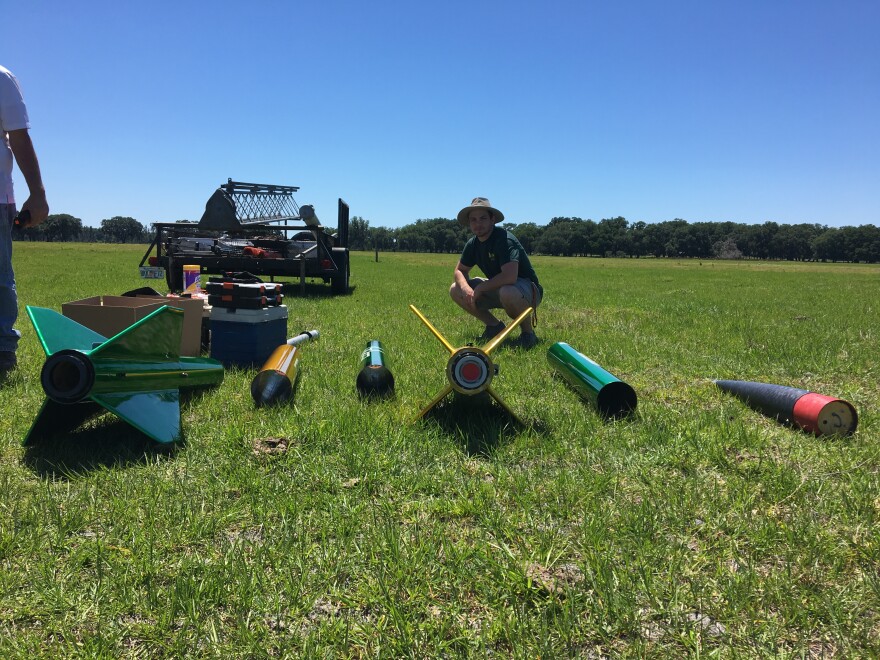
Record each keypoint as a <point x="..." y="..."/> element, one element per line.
<point x="339" y="283"/>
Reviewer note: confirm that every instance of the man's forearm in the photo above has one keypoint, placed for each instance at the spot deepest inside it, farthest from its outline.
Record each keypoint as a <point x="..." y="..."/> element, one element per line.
<point x="26" y="158"/>
<point x="507" y="276"/>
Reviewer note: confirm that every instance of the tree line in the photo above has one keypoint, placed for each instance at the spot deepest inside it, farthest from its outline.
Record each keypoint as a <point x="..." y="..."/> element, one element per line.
<point x="616" y="237"/>
<point x="64" y="228"/>
<point x="561" y="236"/>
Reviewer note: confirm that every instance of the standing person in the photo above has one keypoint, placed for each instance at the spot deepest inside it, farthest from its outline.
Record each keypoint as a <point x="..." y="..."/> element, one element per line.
<point x="16" y="142"/>
<point x="510" y="283"/>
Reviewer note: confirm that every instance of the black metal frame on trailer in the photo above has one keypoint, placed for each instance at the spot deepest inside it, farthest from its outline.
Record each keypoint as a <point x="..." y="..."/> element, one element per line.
<point x="260" y="217"/>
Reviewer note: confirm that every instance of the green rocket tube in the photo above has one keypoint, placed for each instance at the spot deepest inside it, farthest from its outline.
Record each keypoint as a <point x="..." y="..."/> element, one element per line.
<point x="610" y="395"/>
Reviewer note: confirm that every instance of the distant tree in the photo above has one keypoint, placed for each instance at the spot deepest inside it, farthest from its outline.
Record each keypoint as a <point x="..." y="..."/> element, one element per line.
<point x="359" y="233"/>
<point x="865" y="243"/>
<point x="830" y="245"/>
<point x="654" y="239"/>
<point x="572" y="236"/>
<point x="637" y="239"/>
<point x="554" y="242"/>
<point x="793" y="242"/>
<point x="758" y="240"/>
<point x="37" y="233"/>
<point x="698" y="243"/>
<point x="414" y="238"/>
<point x="433" y="235"/>
<point x="62" y="227"/>
<point x="558" y="238"/>
<point x="382" y="238"/>
<point x="611" y="236"/>
<point x="121" y="229"/>
<point x="674" y="235"/>
<point x="91" y="235"/>
<point x="586" y="237"/>
<point x="528" y="234"/>
<point x="726" y="249"/>
<point x="444" y="234"/>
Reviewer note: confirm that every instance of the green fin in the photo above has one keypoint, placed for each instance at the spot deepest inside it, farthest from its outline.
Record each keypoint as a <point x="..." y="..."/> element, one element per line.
<point x="155" y="413"/>
<point x="154" y="336"/>
<point x="56" y="332"/>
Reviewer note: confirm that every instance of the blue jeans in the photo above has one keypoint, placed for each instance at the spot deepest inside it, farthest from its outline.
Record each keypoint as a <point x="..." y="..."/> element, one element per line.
<point x="8" y="298"/>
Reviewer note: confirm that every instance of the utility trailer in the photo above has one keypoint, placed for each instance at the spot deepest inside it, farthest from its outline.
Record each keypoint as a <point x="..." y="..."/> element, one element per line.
<point x="257" y="228"/>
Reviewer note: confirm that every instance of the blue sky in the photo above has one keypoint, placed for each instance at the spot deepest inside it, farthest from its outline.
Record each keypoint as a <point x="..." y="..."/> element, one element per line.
<point x="744" y="111"/>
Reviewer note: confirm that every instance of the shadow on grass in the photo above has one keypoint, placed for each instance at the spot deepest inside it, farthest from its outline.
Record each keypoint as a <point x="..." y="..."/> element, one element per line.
<point x="478" y="424"/>
<point x="102" y="441"/>
<point x="107" y="444"/>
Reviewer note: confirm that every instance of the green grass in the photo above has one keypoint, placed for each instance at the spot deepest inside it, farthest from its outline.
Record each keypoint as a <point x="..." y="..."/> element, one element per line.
<point x="697" y="527"/>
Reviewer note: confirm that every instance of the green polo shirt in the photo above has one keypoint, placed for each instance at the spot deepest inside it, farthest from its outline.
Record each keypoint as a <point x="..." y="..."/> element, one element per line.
<point x="500" y="248"/>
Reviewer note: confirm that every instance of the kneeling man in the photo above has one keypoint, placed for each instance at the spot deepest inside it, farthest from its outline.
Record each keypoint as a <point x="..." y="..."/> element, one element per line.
<point x="510" y="283"/>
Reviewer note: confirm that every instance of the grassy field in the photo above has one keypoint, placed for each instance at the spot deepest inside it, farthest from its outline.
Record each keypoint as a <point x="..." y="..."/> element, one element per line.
<point x="333" y="527"/>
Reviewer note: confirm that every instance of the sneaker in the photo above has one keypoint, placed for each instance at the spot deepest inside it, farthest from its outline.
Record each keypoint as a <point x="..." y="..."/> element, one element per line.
<point x="492" y="331"/>
<point x="528" y="340"/>
<point x="8" y="361"/>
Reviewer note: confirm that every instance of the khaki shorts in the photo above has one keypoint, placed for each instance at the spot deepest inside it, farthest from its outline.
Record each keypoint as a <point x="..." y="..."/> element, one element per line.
<point x="492" y="300"/>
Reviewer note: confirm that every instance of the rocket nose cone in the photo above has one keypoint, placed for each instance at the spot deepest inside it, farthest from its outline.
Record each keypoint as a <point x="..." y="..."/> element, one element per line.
<point x="825" y="415"/>
<point x="270" y="387"/>
<point x="375" y="381"/>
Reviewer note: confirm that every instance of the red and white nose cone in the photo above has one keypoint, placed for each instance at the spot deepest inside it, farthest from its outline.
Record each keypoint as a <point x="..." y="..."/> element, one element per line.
<point x="469" y="371"/>
<point x="825" y="415"/>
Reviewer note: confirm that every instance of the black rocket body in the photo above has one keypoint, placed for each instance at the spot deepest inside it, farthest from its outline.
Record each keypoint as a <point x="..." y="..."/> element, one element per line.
<point x="812" y="412"/>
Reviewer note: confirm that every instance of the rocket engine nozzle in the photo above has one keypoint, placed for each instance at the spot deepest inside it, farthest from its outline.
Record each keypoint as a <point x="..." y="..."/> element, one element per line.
<point x="67" y="376"/>
<point x="470" y="371"/>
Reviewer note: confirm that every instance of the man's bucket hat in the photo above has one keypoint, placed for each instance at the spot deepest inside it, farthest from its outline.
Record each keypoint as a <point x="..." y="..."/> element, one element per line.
<point x="479" y="203"/>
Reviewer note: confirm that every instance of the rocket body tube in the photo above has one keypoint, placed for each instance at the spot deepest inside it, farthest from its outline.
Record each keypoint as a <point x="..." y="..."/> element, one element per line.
<point x="302" y="338"/>
<point x="274" y="384"/>
<point x="276" y="381"/>
<point x="610" y="395"/>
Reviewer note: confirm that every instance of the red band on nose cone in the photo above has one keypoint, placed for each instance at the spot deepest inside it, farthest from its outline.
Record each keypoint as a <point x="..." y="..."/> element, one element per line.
<point x="470" y="372"/>
<point x="824" y="415"/>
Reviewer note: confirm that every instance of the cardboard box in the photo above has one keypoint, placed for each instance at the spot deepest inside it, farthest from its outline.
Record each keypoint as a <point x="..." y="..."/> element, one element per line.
<point x="110" y="315"/>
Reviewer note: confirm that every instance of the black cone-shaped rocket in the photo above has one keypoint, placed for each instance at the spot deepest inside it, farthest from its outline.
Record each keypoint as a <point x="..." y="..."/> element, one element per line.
<point x="374" y="378"/>
<point x="812" y="412"/>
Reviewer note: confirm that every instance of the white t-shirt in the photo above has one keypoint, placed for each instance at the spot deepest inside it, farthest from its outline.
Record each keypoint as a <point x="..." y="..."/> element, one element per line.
<point x="13" y="116"/>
